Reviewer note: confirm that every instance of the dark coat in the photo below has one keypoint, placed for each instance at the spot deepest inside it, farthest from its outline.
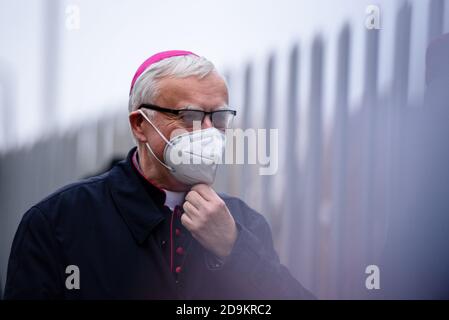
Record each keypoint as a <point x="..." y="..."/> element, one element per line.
<point x="115" y="228"/>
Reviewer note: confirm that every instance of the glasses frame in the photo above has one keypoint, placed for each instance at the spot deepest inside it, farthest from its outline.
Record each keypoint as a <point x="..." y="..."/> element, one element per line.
<point x="178" y="111"/>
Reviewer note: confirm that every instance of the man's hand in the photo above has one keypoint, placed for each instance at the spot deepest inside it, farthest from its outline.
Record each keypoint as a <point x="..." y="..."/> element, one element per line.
<point x="209" y="221"/>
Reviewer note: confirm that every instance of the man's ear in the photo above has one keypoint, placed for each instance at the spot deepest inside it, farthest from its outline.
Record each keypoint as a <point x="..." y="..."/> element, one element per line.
<point x="137" y="122"/>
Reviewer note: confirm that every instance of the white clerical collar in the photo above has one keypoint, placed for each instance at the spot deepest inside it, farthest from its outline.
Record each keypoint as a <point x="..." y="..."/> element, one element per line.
<point x="173" y="199"/>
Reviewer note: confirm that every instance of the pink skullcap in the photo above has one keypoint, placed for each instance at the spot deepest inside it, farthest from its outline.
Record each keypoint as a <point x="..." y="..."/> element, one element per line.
<point x="156" y="58"/>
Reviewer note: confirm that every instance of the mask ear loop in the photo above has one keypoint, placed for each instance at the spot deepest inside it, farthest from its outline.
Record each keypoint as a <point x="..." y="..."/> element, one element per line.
<point x="157" y="130"/>
<point x="163" y="138"/>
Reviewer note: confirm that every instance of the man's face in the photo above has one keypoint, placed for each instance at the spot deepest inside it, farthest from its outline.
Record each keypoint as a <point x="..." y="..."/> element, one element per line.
<point x="208" y="94"/>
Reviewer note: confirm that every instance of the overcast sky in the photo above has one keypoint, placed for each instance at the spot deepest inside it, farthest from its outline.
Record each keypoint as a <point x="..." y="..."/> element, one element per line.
<point x="97" y="61"/>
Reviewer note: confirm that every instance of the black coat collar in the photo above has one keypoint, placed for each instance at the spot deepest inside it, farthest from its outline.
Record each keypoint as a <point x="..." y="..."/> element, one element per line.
<point x="140" y="203"/>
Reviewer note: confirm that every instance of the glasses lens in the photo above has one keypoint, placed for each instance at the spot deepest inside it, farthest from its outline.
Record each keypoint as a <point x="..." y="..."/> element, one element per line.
<point x="222" y="119"/>
<point x="191" y="116"/>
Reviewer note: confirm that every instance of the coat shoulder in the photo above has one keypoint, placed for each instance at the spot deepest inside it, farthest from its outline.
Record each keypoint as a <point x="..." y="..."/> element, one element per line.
<point x="74" y="196"/>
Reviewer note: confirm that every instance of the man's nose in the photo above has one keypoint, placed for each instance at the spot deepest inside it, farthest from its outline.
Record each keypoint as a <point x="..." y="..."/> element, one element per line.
<point x="207" y="122"/>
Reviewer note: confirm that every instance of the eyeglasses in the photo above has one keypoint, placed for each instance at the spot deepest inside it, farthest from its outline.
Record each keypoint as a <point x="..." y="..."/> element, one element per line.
<point x="221" y="119"/>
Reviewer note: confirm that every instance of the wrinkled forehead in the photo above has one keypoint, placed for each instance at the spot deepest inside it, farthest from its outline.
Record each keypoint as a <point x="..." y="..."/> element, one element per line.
<point x="208" y="93"/>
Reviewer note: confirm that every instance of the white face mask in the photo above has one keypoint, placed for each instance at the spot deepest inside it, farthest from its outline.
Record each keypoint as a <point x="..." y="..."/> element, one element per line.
<point x="192" y="157"/>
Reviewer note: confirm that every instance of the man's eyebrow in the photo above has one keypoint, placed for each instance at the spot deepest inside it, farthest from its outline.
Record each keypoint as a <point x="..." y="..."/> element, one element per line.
<point x="192" y="107"/>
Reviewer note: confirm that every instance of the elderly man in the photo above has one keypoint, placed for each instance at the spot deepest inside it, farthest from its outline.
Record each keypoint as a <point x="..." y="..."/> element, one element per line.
<point x="152" y="227"/>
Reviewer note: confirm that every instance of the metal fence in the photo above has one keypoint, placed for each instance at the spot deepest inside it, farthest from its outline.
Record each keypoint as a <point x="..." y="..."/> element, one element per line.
<point x="328" y="207"/>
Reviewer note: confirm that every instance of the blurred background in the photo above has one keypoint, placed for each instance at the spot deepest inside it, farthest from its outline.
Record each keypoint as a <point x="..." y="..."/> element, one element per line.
<point x="361" y="106"/>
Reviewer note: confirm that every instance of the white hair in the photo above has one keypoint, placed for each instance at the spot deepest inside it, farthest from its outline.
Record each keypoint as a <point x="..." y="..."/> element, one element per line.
<point x="146" y="87"/>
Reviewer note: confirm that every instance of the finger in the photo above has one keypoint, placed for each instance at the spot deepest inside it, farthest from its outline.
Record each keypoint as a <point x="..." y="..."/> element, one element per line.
<point x="190" y="210"/>
<point x="205" y="191"/>
<point x="186" y="221"/>
<point x="195" y="199"/>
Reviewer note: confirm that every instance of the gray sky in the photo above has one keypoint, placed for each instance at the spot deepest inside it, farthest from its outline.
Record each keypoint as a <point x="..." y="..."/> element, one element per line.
<point x="97" y="62"/>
